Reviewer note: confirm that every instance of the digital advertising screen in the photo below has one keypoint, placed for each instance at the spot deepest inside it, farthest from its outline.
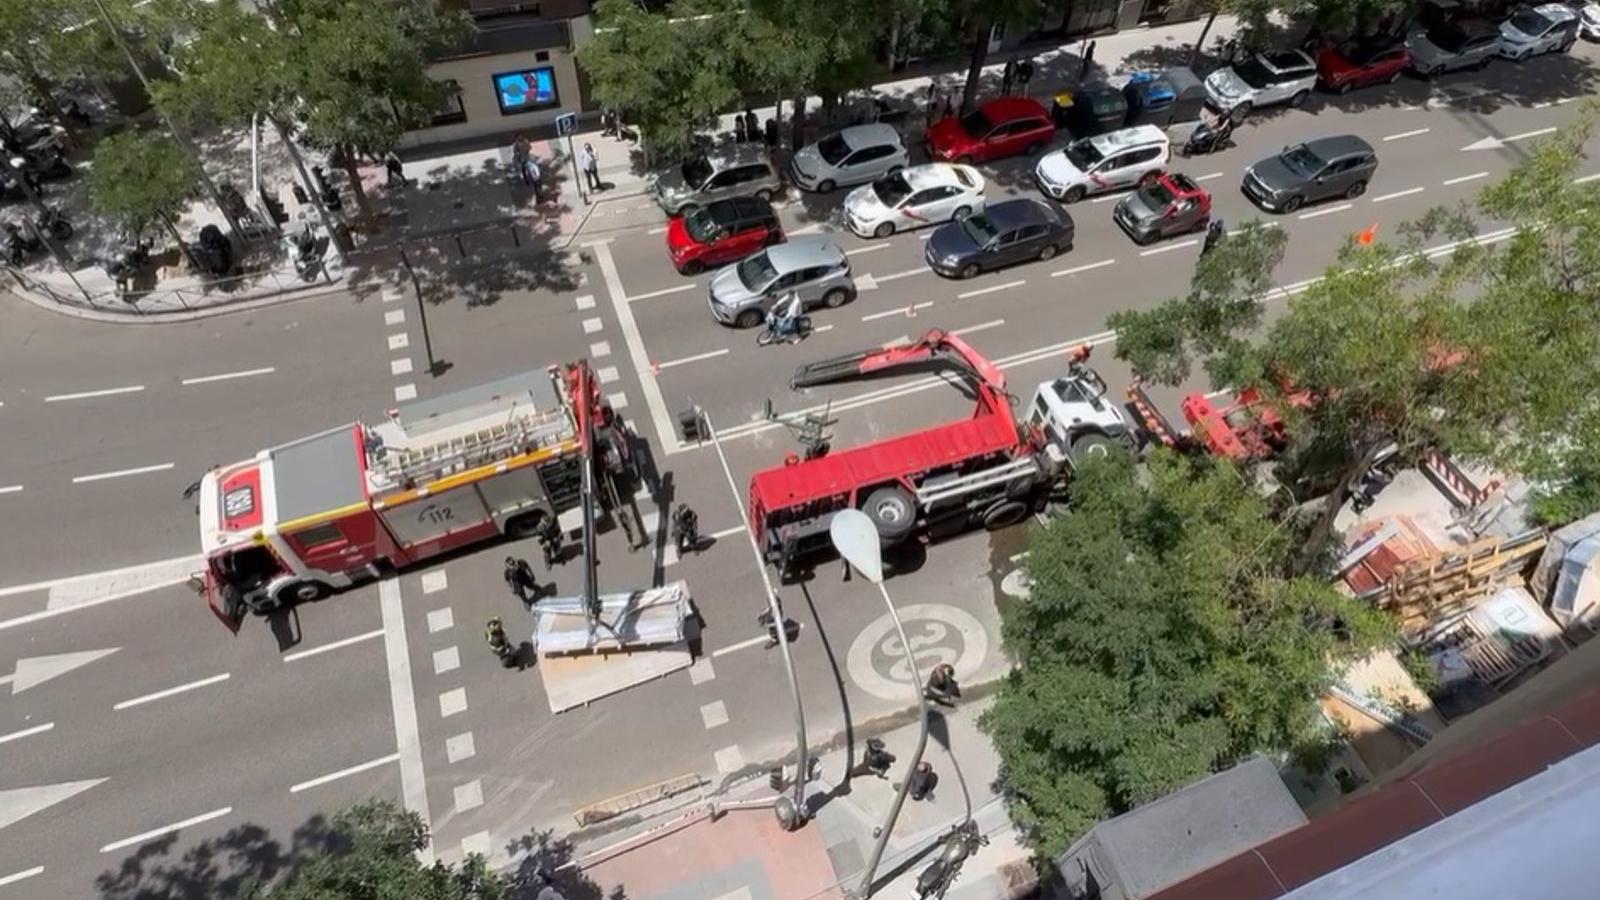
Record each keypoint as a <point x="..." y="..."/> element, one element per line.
<point x="526" y="90"/>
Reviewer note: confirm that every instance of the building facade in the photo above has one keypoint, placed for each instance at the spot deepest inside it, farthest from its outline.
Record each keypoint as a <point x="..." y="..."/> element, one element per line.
<point x="517" y="70"/>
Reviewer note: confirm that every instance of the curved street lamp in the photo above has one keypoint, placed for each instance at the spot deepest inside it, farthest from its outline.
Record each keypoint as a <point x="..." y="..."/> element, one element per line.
<point x="856" y="538"/>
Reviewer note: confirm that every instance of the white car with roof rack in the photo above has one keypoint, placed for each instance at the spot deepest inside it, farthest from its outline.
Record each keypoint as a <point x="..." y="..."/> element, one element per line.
<point x="913" y="197"/>
<point x="1266" y="79"/>
<point x="1114" y="161"/>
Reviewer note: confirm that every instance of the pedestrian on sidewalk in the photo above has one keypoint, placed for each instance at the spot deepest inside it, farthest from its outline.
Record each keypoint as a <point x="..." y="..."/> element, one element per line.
<point x="933" y="101"/>
<point x="396" y="170"/>
<point x="495" y="633"/>
<point x="521" y="149"/>
<point x="877" y="759"/>
<point x="752" y="125"/>
<point x="1024" y="75"/>
<point x="532" y="175"/>
<point x="608" y="123"/>
<point x="1007" y="76"/>
<point x="791" y="628"/>
<point x="1088" y="60"/>
<point x="519" y="578"/>
<point x="550" y="541"/>
<point x="942" y="687"/>
<point x="1215" y="232"/>
<point x="923" y="781"/>
<point x="591" y="167"/>
<point x="741" y="134"/>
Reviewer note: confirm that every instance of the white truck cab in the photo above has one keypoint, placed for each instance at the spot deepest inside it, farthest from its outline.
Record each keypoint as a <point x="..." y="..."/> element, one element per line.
<point x="1074" y="413"/>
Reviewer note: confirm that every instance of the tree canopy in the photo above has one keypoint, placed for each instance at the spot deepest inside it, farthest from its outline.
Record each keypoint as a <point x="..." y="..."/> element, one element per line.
<point x="141" y="178"/>
<point x="372" y="854"/>
<point x="1163" y="639"/>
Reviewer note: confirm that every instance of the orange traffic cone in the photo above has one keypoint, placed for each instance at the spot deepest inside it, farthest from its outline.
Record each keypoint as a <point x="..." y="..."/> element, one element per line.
<point x="1366" y="237"/>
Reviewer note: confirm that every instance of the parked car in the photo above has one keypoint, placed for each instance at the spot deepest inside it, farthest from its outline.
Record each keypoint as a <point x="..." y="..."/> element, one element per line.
<point x="1002" y="235"/>
<point x="914" y="197"/>
<point x="1267" y="79"/>
<point x="1451" y="47"/>
<point x="720" y="232"/>
<point x="1106" y="162"/>
<point x="813" y="267"/>
<point x="737" y="171"/>
<point x="1589" y="21"/>
<point x="856" y="155"/>
<point x="1356" y="64"/>
<point x="1172" y="204"/>
<point x="1532" y="30"/>
<point x="997" y="129"/>
<point x="1315" y="170"/>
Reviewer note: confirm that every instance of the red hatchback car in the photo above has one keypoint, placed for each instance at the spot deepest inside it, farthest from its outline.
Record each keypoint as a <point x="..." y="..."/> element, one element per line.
<point x="1356" y="64"/>
<point x="721" y="232"/>
<point x="999" y="128"/>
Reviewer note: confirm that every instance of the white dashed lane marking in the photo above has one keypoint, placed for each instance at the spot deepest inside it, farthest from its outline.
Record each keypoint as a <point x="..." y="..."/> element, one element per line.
<point x="1404" y="193"/>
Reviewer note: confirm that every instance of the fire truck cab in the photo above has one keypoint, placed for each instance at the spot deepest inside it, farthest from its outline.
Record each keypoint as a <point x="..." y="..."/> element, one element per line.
<point x="332" y="509"/>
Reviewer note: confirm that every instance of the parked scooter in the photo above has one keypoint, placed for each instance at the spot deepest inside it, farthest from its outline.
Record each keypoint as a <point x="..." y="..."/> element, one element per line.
<point x="131" y="260"/>
<point x="1213" y="133"/>
<point x="54" y="223"/>
<point x="307" y="251"/>
<point x="17" y="244"/>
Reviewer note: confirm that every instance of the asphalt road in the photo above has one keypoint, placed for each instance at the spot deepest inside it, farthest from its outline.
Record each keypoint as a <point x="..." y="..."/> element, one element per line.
<point x="370" y="692"/>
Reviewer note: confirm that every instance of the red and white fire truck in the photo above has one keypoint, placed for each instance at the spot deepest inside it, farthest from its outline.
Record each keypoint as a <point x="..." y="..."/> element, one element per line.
<point x="987" y="470"/>
<point x="354" y="502"/>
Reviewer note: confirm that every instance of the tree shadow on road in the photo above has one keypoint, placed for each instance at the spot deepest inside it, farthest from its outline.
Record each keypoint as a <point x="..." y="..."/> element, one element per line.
<point x="231" y="865"/>
<point x="539" y="859"/>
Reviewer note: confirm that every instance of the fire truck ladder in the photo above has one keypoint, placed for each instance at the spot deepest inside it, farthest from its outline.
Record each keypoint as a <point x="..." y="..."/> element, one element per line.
<point x="521" y="433"/>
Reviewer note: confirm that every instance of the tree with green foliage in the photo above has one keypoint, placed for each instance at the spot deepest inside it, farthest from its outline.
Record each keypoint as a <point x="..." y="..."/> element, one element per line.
<point x="143" y="178"/>
<point x="373" y="854"/>
<point x="1163" y="638"/>
<point x="667" y="73"/>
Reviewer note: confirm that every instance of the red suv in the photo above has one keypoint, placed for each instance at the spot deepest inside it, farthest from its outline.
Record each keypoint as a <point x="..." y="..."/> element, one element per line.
<point x="1356" y="64"/>
<point x="999" y="128"/>
<point x="721" y="232"/>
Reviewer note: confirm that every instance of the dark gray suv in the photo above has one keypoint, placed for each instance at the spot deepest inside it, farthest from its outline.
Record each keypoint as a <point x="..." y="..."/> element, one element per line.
<point x="1316" y="170"/>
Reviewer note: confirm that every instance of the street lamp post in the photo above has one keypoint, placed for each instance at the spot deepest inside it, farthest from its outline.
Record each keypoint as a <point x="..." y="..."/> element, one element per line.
<point x="856" y="538"/>
<point x="791" y="811"/>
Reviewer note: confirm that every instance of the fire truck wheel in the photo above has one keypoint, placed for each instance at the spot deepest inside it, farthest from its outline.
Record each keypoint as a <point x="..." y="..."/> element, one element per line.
<point x="524" y="526"/>
<point x="1004" y="514"/>
<point x="303" y="591"/>
<point x="1091" y="445"/>
<point x="893" y="511"/>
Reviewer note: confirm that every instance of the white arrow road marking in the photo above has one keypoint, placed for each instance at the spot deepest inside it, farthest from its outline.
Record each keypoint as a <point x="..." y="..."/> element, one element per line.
<point x="898" y="311"/>
<point x="19" y="803"/>
<point x="870" y="282"/>
<point x="1494" y="143"/>
<point x="166" y="829"/>
<point x="37" y="670"/>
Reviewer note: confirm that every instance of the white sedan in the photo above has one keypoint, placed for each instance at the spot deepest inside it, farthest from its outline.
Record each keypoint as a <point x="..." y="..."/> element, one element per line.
<point x="914" y="197"/>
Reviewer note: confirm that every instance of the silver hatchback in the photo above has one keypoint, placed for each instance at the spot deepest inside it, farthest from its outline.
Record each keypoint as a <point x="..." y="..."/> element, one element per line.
<point x="813" y="267"/>
<point x="737" y="171"/>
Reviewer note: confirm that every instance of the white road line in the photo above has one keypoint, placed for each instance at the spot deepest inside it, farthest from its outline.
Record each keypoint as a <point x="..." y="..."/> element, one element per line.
<point x="1326" y="212"/>
<point x="981" y="326"/>
<point x="989" y="290"/>
<point x="399" y="341"/>
<point x="1405" y="193"/>
<point x="870" y="248"/>
<point x="1465" y="178"/>
<point x="661" y="293"/>
<point x="658" y="230"/>
<point x="405" y="392"/>
<point x="739" y="646"/>
<point x="15" y="877"/>
<point x="102" y="476"/>
<point x="1168" y="248"/>
<point x="1537" y="132"/>
<point x="665" y="432"/>
<point x="26" y="732"/>
<point x="1257" y="224"/>
<point x="1586" y="179"/>
<point x="821" y="328"/>
<point x="172" y="692"/>
<point x="584" y="301"/>
<point x="1076" y="269"/>
<point x="10" y="489"/>
<point x="403" y="702"/>
<point x="712" y="354"/>
<point x="899" y="311"/>
<point x="401" y="366"/>
<point x="895" y="276"/>
<point x="1405" y="134"/>
<point x="1211" y="176"/>
<point x="726" y="532"/>
<point x="353" y="770"/>
<point x="600" y="349"/>
<point x="1106" y="198"/>
<point x="84" y="395"/>
<point x="394" y="317"/>
<point x="590" y="326"/>
<point x="166" y="829"/>
<point x="228" y="376"/>
<point x="336" y="645"/>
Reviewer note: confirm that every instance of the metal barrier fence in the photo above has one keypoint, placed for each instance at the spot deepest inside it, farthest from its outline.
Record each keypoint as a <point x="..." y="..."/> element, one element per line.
<point x="157" y="301"/>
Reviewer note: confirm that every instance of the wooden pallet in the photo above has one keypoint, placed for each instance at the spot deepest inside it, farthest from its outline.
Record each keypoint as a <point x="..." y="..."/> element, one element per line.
<point x="1427" y="592"/>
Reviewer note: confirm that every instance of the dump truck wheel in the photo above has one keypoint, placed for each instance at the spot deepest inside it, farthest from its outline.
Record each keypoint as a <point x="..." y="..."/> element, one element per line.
<point x="1087" y="446"/>
<point x="893" y="511"/>
<point x="1004" y="514"/>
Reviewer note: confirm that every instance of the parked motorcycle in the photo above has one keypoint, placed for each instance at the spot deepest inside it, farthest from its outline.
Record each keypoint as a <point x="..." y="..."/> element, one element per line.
<point x="17" y="244"/>
<point x="963" y="841"/>
<point x="1209" y="136"/>
<point x="54" y="223"/>
<point x="307" y="250"/>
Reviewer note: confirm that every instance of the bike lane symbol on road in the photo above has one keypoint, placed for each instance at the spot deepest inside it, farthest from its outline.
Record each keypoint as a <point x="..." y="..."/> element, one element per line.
<point x="937" y="633"/>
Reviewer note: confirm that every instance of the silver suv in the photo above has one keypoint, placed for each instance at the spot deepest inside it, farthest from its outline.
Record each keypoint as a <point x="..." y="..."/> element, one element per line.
<point x="737" y="171"/>
<point x="813" y="267"/>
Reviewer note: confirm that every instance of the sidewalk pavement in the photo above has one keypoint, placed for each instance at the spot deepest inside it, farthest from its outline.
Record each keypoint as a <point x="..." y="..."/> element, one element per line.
<point x="742" y="854"/>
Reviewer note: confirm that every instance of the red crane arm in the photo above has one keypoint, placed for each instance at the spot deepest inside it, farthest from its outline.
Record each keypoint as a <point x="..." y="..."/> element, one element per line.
<point x="936" y="346"/>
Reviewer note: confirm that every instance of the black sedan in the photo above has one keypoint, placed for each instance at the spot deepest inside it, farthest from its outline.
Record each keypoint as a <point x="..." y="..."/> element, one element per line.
<point x="1003" y="234"/>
